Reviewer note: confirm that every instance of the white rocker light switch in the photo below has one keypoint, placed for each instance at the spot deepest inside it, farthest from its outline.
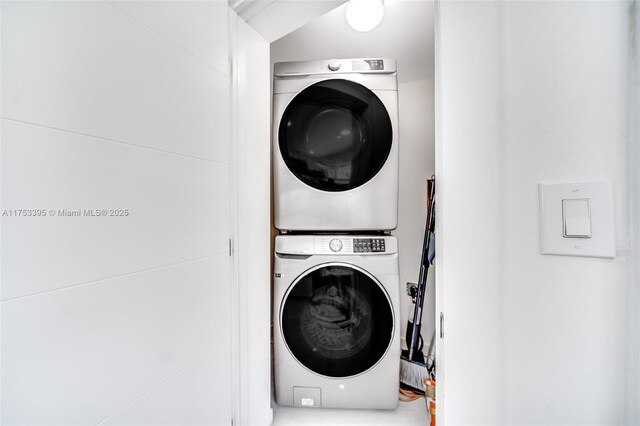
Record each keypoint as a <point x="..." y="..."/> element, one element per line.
<point x="576" y="218"/>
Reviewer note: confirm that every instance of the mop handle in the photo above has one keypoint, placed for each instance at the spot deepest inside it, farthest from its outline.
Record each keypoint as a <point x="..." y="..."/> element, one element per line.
<point x="424" y="269"/>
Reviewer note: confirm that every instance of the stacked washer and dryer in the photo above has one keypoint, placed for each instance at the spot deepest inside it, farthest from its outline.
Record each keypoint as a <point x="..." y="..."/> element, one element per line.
<point x="336" y="288"/>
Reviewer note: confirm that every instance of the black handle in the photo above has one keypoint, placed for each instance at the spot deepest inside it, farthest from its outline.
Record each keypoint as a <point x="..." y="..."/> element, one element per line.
<point x="424" y="268"/>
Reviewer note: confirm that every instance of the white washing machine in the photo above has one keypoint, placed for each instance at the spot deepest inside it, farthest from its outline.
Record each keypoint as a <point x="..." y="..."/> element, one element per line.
<point x="335" y="145"/>
<point x="336" y="321"/>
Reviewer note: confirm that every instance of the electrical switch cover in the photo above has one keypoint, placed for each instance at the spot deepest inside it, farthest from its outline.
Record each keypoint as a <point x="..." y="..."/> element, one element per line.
<point x="576" y="219"/>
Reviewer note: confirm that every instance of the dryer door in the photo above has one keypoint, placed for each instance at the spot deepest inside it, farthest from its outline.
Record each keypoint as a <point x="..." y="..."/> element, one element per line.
<point x="335" y="135"/>
<point x="337" y="320"/>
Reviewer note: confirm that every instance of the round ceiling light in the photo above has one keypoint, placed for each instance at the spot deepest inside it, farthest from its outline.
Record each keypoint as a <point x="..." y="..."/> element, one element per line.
<point x="364" y="15"/>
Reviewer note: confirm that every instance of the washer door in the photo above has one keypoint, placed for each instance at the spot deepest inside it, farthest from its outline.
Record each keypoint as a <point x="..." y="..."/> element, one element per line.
<point x="337" y="320"/>
<point x="335" y="135"/>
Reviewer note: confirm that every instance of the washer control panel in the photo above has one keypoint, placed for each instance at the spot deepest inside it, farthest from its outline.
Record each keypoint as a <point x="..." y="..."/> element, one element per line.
<point x="368" y="245"/>
<point x="336" y="245"/>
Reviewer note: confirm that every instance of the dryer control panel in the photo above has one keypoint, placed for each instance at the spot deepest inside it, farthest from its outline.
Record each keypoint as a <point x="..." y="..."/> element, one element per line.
<point x="333" y="66"/>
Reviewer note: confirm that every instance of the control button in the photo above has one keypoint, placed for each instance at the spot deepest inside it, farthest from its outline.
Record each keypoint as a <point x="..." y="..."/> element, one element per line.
<point x="335" y="245"/>
<point x="334" y="65"/>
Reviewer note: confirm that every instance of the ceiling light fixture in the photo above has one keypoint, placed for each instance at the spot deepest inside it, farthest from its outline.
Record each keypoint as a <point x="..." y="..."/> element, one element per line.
<point x="364" y="15"/>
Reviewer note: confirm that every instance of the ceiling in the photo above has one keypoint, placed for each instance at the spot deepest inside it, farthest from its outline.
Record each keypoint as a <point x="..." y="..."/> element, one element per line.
<point x="273" y="19"/>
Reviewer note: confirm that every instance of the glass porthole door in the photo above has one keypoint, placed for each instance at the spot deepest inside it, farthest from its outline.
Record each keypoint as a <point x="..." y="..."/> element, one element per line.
<point x="335" y="135"/>
<point x="337" y="320"/>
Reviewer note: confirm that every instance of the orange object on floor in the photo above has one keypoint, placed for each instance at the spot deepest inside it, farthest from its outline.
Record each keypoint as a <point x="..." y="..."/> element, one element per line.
<point x="432" y="412"/>
<point x="430" y="396"/>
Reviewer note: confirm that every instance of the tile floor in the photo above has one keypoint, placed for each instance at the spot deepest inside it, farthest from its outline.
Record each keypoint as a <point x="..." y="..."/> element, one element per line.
<point x="407" y="413"/>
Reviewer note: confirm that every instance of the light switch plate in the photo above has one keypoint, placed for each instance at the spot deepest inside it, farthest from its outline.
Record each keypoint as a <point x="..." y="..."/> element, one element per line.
<point x="600" y="200"/>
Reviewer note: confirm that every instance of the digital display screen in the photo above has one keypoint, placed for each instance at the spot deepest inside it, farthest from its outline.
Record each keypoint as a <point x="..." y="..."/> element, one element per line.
<point x="375" y="64"/>
<point x="368" y="245"/>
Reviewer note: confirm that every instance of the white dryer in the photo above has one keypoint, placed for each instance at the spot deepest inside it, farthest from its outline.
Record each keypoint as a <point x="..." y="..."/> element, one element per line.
<point x="336" y="321"/>
<point x="335" y="145"/>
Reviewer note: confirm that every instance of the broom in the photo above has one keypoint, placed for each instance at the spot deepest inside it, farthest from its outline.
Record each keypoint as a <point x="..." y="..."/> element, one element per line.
<point x="413" y="368"/>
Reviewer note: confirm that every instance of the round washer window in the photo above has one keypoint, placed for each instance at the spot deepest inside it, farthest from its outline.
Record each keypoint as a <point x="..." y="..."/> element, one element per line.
<point x="337" y="321"/>
<point x="335" y="135"/>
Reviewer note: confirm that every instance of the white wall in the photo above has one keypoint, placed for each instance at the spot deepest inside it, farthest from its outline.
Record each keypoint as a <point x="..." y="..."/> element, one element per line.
<point x="405" y="33"/>
<point x="116" y="320"/>
<point x="251" y="125"/>
<point x="565" y="100"/>
<point x="468" y="228"/>
<point x="273" y="19"/>
<point x="633" y="283"/>
<point x="532" y="92"/>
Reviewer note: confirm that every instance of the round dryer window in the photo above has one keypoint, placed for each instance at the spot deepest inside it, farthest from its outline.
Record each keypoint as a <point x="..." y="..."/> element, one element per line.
<point x="335" y="135"/>
<point x="337" y="320"/>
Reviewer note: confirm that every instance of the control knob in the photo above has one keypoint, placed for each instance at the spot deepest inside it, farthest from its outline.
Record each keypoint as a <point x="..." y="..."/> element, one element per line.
<point x="335" y="245"/>
<point x="334" y="65"/>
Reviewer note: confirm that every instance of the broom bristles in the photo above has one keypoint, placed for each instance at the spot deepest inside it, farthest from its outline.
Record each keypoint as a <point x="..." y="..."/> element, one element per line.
<point x="412" y="375"/>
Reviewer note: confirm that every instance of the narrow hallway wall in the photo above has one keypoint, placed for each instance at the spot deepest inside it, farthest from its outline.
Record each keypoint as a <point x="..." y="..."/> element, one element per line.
<point x="550" y="337"/>
<point x="119" y="319"/>
<point x="633" y="160"/>
<point x="565" y="120"/>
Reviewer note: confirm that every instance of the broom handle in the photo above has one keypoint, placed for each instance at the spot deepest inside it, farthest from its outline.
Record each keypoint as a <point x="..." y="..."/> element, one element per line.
<point x="424" y="269"/>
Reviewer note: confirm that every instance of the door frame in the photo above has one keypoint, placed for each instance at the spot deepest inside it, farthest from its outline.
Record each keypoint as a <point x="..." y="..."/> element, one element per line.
<point x="250" y="239"/>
